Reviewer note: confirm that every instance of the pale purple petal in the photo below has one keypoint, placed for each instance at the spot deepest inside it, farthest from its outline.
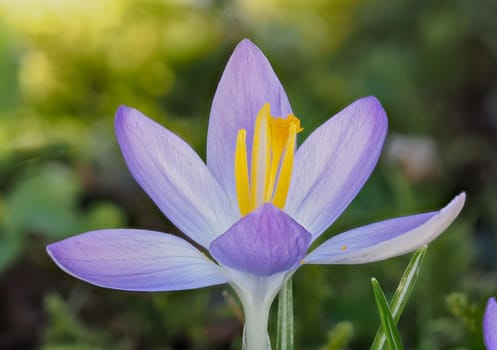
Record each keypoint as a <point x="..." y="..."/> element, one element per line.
<point x="263" y="243"/>
<point x="248" y="82"/>
<point x="174" y="176"/>
<point x="136" y="260"/>
<point x="334" y="162"/>
<point x="490" y="325"/>
<point x="387" y="238"/>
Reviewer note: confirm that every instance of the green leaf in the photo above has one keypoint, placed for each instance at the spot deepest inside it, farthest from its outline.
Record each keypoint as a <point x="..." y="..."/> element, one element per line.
<point x="284" y="332"/>
<point x="392" y="334"/>
<point x="402" y="294"/>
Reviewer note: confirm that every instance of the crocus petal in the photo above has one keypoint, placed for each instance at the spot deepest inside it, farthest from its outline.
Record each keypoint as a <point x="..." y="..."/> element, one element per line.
<point x="490" y="325"/>
<point x="136" y="260"/>
<point x="264" y="242"/>
<point x="174" y="176"/>
<point x="387" y="238"/>
<point x="334" y="162"/>
<point x="248" y="82"/>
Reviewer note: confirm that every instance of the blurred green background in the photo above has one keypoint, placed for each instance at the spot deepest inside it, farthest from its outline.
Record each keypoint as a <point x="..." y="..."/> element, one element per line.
<point x="66" y="65"/>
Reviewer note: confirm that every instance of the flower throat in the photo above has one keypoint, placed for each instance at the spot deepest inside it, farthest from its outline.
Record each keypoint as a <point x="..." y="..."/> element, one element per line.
<point x="273" y="150"/>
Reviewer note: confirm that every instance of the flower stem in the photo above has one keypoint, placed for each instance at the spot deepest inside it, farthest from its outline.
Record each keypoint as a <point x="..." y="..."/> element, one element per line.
<point x="255" y="336"/>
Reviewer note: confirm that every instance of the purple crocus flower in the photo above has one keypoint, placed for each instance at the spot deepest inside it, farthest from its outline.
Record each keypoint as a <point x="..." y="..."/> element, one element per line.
<point x="258" y="203"/>
<point x="490" y="325"/>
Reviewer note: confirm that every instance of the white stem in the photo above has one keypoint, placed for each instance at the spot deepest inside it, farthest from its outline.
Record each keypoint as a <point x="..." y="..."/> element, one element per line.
<point x="256" y="294"/>
<point x="255" y="335"/>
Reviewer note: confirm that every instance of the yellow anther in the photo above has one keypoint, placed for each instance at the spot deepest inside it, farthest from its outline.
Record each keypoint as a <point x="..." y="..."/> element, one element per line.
<point x="282" y="130"/>
<point x="343" y="248"/>
<point x="286" y="168"/>
<point x="241" y="173"/>
<point x="273" y="149"/>
<point x="260" y="156"/>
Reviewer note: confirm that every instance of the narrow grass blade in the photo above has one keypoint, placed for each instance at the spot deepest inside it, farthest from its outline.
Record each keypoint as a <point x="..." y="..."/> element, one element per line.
<point x="392" y="334"/>
<point x="401" y="296"/>
<point x="284" y="332"/>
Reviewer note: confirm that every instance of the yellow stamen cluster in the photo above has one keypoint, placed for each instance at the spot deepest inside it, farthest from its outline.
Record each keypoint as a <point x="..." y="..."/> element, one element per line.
<point x="273" y="150"/>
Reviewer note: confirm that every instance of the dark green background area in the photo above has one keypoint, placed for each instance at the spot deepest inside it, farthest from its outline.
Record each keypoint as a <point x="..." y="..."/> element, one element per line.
<point x="65" y="66"/>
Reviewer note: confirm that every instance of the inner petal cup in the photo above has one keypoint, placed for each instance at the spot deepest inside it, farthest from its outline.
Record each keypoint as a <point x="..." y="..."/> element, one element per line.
<point x="263" y="243"/>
